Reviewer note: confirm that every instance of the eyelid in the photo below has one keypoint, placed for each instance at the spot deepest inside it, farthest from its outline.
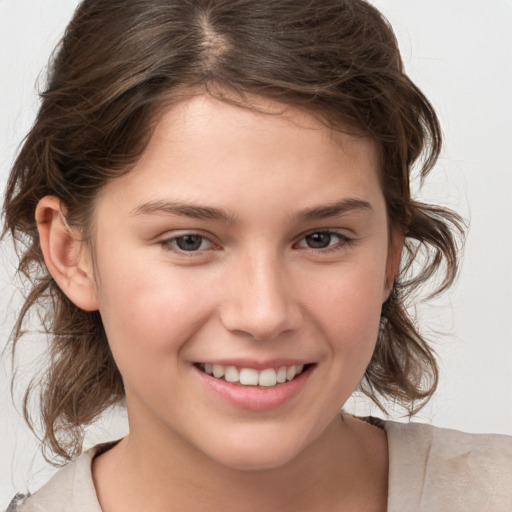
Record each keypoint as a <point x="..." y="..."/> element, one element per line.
<point x="344" y="240"/>
<point x="166" y="241"/>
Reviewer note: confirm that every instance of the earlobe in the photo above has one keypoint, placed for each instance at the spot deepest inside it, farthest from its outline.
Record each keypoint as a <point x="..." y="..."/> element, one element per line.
<point x="65" y="255"/>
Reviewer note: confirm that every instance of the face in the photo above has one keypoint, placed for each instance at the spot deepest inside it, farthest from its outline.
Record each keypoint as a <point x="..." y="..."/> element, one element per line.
<point x="240" y="273"/>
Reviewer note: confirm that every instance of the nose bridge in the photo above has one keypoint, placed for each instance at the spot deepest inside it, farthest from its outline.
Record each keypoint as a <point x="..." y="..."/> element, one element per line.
<point x="261" y="303"/>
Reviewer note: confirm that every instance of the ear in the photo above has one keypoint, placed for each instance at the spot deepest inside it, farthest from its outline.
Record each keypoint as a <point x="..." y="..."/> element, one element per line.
<point x="396" y="244"/>
<point x="65" y="254"/>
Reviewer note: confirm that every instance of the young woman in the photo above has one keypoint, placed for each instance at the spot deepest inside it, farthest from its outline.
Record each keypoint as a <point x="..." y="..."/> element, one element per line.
<point x="215" y="209"/>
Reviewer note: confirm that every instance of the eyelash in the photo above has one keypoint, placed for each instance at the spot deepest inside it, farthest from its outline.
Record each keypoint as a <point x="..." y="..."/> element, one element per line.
<point x="343" y="240"/>
<point x="170" y="244"/>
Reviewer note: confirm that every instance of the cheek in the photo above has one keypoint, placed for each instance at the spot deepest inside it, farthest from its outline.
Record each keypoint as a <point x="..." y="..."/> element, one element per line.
<point x="347" y="308"/>
<point x="145" y="307"/>
<point x="148" y="323"/>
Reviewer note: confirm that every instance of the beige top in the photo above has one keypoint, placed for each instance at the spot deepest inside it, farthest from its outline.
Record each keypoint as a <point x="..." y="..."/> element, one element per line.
<point x="430" y="470"/>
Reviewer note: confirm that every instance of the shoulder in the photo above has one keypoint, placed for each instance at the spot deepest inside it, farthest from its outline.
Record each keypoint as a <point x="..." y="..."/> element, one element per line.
<point x="436" y="469"/>
<point x="71" y="489"/>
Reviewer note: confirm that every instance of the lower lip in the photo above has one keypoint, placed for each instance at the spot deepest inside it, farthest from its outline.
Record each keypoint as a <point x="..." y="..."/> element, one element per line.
<point x="256" y="398"/>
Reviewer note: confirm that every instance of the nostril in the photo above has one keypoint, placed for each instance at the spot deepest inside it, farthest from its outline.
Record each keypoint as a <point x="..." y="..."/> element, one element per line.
<point x="261" y="326"/>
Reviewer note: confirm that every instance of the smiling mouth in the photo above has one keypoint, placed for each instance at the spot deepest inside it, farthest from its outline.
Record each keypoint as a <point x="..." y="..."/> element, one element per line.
<point x="266" y="378"/>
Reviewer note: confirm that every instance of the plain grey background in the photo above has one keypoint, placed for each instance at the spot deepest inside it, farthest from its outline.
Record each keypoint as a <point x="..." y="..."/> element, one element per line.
<point x="459" y="52"/>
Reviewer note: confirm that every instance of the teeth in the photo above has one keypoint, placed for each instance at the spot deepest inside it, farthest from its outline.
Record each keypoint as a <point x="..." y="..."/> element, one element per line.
<point x="250" y="377"/>
<point x="231" y="374"/>
<point x="291" y="372"/>
<point x="218" y="371"/>
<point x="267" y="377"/>
<point x="281" y="374"/>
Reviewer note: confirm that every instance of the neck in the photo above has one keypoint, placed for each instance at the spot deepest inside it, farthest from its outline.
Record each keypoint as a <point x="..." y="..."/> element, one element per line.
<point x="346" y="463"/>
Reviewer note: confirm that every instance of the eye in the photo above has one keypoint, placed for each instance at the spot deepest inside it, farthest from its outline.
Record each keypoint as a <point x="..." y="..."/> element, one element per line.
<point x="188" y="242"/>
<point x="323" y="240"/>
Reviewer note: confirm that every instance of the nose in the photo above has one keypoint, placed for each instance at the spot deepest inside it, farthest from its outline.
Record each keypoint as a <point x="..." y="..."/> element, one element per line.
<point x="259" y="300"/>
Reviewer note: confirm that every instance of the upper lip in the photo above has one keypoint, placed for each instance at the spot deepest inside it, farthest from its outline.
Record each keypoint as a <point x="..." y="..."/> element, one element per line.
<point x="257" y="364"/>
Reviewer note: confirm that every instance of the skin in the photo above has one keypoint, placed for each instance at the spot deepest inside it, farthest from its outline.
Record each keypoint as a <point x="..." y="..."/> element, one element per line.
<point x="254" y="289"/>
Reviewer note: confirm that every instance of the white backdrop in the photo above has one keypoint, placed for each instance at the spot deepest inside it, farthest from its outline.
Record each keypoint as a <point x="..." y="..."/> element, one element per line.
<point x="460" y="54"/>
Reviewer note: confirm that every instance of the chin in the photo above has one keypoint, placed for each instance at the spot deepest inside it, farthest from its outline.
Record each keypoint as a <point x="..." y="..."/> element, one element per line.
<point x="253" y="461"/>
<point x="257" y="452"/>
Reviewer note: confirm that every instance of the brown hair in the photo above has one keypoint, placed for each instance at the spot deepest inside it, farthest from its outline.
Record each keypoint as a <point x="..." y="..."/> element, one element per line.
<point x="120" y="61"/>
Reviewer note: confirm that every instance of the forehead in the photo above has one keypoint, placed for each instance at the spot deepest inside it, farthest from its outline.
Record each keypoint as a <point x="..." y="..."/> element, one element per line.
<point x="212" y="151"/>
<point x="199" y="113"/>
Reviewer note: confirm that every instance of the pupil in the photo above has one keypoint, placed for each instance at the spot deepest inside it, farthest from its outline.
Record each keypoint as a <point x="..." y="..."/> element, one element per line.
<point x="189" y="242"/>
<point x="318" y="240"/>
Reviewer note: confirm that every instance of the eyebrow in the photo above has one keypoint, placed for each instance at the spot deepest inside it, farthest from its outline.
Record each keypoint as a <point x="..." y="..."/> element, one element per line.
<point x="336" y="209"/>
<point x="185" y="210"/>
<point x="192" y="211"/>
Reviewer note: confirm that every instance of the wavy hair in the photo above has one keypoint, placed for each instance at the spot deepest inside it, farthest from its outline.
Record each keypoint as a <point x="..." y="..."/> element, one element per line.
<point x="119" y="62"/>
